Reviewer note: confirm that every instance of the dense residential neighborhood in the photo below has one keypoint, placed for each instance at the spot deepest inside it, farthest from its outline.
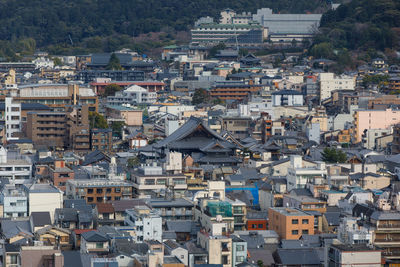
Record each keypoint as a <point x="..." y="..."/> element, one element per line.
<point x="212" y="154"/>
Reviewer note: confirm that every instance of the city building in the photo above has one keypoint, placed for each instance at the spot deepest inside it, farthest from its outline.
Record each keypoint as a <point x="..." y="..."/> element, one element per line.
<point x="14" y="201"/>
<point x="15" y="167"/>
<point x="286" y="27"/>
<point x="129" y="115"/>
<point x="132" y="95"/>
<point x="147" y="224"/>
<point x="12" y="118"/>
<point x="374" y="119"/>
<point x="287" y="98"/>
<point x="328" y="83"/>
<point x="353" y="255"/>
<point x="101" y="139"/>
<point x="290" y="223"/>
<point x="98" y="190"/>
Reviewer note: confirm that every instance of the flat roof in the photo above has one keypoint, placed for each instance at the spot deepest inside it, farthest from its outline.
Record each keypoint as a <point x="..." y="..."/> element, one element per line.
<point x="290" y="211"/>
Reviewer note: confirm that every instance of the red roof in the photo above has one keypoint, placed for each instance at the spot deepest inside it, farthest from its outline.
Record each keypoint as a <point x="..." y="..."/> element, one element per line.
<point x="80" y="231"/>
<point x="105" y="208"/>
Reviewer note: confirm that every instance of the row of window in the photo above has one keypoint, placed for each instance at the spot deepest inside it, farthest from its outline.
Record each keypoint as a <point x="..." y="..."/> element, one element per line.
<point x="296" y="232"/>
<point x="296" y="221"/>
<point x="101" y="199"/>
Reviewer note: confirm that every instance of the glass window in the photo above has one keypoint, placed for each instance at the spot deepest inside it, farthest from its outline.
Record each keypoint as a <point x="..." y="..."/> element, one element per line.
<point x="304" y="221"/>
<point x="295" y="221"/>
<point x="304" y="232"/>
<point x="99" y="245"/>
<point x="295" y="232"/>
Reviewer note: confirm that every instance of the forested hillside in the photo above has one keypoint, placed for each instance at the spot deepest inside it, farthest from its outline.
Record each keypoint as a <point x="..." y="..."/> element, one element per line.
<point x="73" y="22"/>
<point x="362" y="26"/>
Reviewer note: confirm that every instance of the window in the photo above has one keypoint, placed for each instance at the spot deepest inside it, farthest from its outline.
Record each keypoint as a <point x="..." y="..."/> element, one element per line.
<point x="99" y="190"/>
<point x="224" y="259"/>
<point x="304" y="232"/>
<point x="99" y="199"/>
<point x="89" y="199"/>
<point x="14" y="259"/>
<point x="295" y="221"/>
<point x="117" y="190"/>
<point x="304" y="221"/>
<point x="239" y="248"/>
<point x="99" y="245"/>
<point x="260" y="226"/>
<point x="295" y="232"/>
<point x="108" y="190"/>
<point x="254" y="226"/>
<point x="239" y="259"/>
<point x="90" y="191"/>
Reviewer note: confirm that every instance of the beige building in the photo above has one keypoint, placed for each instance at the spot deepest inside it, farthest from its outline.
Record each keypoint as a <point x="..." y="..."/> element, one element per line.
<point x="44" y="197"/>
<point x="219" y="248"/>
<point x="131" y="116"/>
<point x="355" y="255"/>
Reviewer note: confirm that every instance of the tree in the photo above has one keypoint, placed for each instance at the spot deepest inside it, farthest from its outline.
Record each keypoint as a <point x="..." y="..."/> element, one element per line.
<point x="260" y="263"/>
<point x="200" y="96"/>
<point x="96" y="120"/>
<point x="214" y="50"/>
<point x="332" y="155"/>
<point x="133" y="162"/>
<point x="117" y="127"/>
<point x="111" y="89"/>
<point x="113" y="63"/>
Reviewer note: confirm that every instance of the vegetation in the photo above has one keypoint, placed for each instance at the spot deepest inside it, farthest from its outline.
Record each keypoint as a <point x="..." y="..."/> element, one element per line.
<point x="96" y="25"/>
<point x="96" y="120"/>
<point x="111" y="89"/>
<point x="365" y="26"/>
<point x="332" y="155"/>
<point x="113" y="63"/>
<point x="133" y="162"/>
<point x="117" y="127"/>
<point x="379" y="80"/>
<point x="200" y="96"/>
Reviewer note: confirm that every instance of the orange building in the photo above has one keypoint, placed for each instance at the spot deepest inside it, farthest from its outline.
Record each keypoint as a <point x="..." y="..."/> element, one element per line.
<point x="234" y="91"/>
<point x="290" y="223"/>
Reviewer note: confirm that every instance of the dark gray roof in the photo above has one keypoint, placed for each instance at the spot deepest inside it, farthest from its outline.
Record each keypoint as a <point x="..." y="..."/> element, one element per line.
<point x="253" y="239"/>
<point x="298" y="257"/>
<point x="94" y="236"/>
<point x="263" y="254"/>
<point x="66" y="215"/>
<point x="11" y="228"/>
<point x="72" y="258"/>
<point x="287" y="92"/>
<point x="159" y="203"/>
<point x="333" y="218"/>
<point x="385" y="215"/>
<point x="169" y="235"/>
<point x="41" y="218"/>
<point x="185" y="130"/>
<point x="180" y="226"/>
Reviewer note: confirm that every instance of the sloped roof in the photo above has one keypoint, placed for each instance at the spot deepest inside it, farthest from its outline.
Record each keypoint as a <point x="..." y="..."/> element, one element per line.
<point x="41" y="218"/>
<point x="94" y="236"/>
<point x="298" y="257"/>
<point x="188" y="128"/>
<point x="180" y="226"/>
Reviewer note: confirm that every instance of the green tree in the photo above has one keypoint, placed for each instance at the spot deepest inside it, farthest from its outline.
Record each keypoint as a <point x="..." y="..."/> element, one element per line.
<point x="260" y="263"/>
<point x="97" y="120"/>
<point x="117" y="127"/>
<point x="200" y="96"/>
<point x="214" y="50"/>
<point x="111" y="89"/>
<point x="133" y="162"/>
<point x="332" y="155"/>
<point x="322" y="50"/>
<point x="113" y="63"/>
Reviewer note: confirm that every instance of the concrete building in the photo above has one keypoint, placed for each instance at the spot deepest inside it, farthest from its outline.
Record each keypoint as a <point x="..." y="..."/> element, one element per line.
<point x="286" y="27"/>
<point x="374" y="119"/>
<point x="149" y="179"/>
<point x="131" y="96"/>
<point x="353" y="255"/>
<point x="98" y="190"/>
<point x="44" y="198"/>
<point x="101" y="139"/>
<point x="328" y="83"/>
<point x="15" y="167"/>
<point x="147" y="224"/>
<point x="131" y="116"/>
<point x="287" y="98"/>
<point x="12" y="118"/>
<point x="239" y="250"/>
<point x="298" y="176"/>
<point x="290" y="223"/>
<point x="218" y="246"/>
<point x="369" y="137"/>
<point x="313" y="132"/>
<point x="14" y="202"/>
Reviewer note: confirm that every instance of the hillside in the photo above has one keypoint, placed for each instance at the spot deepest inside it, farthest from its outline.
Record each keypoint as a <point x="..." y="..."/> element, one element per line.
<point x="362" y="26"/>
<point x="61" y="24"/>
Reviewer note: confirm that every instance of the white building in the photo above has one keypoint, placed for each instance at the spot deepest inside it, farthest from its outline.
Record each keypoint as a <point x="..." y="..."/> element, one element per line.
<point x="43" y="63"/>
<point x="12" y="118"/>
<point x="328" y="83"/>
<point x="15" y="167"/>
<point x="44" y="197"/>
<point x="299" y="176"/>
<point x="370" y="135"/>
<point x="287" y="98"/>
<point x="147" y="224"/>
<point x="131" y="96"/>
<point x="350" y="232"/>
<point x="14" y="202"/>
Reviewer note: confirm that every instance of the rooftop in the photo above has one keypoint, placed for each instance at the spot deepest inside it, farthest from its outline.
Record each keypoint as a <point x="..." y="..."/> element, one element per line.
<point x="290" y="211"/>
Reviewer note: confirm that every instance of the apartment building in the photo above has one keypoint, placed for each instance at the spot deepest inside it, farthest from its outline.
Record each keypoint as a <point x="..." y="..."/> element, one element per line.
<point x="290" y="223"/>
<point x="98" y="190"/>
<point x="58" y="95"/>
<point x="173" y="209"/>
<point x="146" y="223"/>
<point x="15" y="167"/>
<point x="353" y="255"/>
<point x="13" y="119"/>
<point x="148" y="179"/>
<point x="328" y="83"/>
<point x="101" y="139"/>
<point x="60" y="174"/>
<point x="14" y="201"/>
<point x="234" y="91"/>
<point x="374" y="119"/>
<point x="69" y="128"/>
<point x="387" y="233"/>
<point x="219" y="248"/>
<point x="131" y="96"/>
